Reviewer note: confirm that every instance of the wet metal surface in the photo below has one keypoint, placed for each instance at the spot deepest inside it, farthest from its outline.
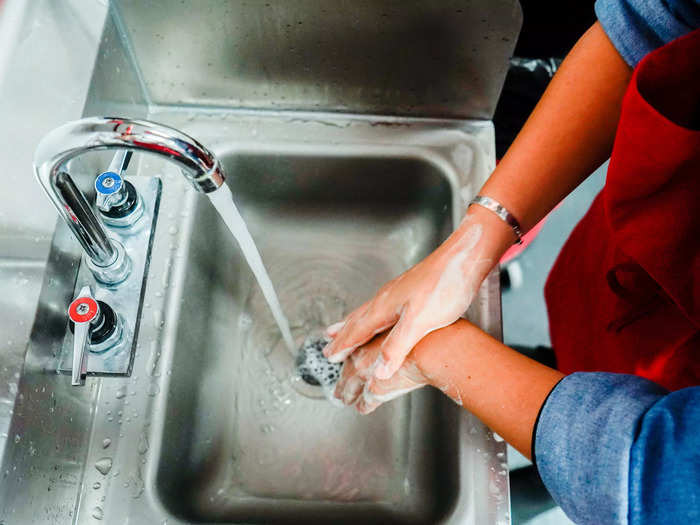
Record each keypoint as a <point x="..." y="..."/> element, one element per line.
<point x="390" y="57"/>
<point x="21" y="270"/>
<point x="209" y="426"/>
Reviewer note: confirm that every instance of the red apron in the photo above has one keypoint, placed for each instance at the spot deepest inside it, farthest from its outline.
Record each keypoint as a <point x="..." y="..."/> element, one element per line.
<point x="624" y="294"/>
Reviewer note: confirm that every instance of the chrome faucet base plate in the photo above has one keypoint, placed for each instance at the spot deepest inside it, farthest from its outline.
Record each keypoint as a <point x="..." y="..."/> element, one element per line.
<point x="126" y="298"/>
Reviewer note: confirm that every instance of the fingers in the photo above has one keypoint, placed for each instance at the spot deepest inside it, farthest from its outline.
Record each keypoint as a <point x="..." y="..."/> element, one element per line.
<point x="377" y="391"/>
<point x="346" y="373"/>
<point x="356" y="371"/>
<point x="349" y="385"/>
<point x="333" y="351"/>
<point x="365" y="407"/>
<point x="352" y="390"/>
<point x="398" y="344"/>
<point x="359" y="385"/>
<point x="361" y="326"/>
<point x="333" y="329"/>
<point x="381" y="391"/>
<point x="365" y="358"/>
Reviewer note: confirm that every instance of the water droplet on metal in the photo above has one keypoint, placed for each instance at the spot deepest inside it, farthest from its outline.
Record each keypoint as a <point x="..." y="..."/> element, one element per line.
<point x="104" y="465"/>
<point x="97" y="513"/>
<point x="143" y="444"/>
<point x="153" y="389"/>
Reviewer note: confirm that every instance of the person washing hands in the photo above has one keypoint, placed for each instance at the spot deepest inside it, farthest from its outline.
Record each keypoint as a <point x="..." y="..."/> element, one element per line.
<point x="615" y="432"/>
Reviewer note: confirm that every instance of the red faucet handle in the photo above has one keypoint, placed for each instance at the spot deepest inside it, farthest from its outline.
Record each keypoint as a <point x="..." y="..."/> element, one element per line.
<point x="83" y="310"/>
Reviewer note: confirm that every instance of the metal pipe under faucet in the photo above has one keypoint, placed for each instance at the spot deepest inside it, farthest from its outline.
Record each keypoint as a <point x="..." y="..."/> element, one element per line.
<point x="66" y="142"/>
<point x="84" y="223"/>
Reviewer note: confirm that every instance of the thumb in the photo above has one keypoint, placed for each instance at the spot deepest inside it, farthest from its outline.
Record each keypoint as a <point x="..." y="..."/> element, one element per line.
<point x="361" y="326"/>
<point x="398" y="344"/>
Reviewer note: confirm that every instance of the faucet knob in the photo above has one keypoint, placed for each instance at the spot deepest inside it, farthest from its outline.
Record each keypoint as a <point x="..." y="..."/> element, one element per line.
<point x="96" y="327"/>
<point x="82" y="311"/>
<point x="111" y="190"/>
<point x="117" y="199"/>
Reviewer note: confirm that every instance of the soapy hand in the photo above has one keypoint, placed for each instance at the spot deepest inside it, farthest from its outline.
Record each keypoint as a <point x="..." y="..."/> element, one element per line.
<point x="425" y="365"/>
<point x="356" y="384"/>
<point x="429" y="296"/>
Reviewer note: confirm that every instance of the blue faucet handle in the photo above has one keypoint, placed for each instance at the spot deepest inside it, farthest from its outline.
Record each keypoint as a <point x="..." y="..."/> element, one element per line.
<point x="108" y="183"/>
<point x="117" y="199"/>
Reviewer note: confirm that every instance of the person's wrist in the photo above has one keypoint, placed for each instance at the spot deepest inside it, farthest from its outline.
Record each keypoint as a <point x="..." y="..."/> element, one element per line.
<point x="435" y="354"/>
<point x="494" y="238"/>
<point x="495" y="229"/>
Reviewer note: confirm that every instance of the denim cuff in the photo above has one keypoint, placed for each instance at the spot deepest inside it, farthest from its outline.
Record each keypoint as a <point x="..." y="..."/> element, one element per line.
<point x="583" y="440"/>
<point x="537" y="422"/>
<point x="637" y="27"/>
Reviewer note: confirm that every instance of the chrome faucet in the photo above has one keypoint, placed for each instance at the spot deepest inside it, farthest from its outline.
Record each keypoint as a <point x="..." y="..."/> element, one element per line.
<point x="105" y="256"/>
<point x="116" y="250"/>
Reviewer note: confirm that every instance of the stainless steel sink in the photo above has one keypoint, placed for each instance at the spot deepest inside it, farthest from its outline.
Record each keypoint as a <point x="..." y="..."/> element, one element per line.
<point x="337" y="206"/>
<point x="212" y="426"/>
<point x="331" y="230"/>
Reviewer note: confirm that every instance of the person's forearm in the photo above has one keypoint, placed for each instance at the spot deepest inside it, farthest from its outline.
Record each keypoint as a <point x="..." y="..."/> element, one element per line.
<point x="500" y="386"/>
<point x="568" y="135"/>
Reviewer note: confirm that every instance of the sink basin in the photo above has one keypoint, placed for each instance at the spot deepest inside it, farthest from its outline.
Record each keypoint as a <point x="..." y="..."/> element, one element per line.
<point x="331" y="230"/>
<point x="213" y="426"/>
<point x="337" y="207"/>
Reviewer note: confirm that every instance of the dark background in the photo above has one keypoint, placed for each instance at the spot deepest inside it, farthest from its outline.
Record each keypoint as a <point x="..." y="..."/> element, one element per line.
<point x="551" y="27"/>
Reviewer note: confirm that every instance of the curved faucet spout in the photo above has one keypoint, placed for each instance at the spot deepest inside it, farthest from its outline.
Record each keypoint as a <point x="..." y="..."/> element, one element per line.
<point x="66" y="142"/>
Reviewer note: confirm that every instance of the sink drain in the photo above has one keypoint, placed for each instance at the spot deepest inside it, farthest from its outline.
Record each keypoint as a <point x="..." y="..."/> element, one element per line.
<point x="313" y="367"/>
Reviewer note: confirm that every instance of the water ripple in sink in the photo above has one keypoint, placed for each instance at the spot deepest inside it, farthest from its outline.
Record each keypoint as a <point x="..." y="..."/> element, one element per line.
<point x="296" y="439"/>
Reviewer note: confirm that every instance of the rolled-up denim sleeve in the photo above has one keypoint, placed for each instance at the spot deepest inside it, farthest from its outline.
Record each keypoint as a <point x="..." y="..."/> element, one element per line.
<point x="637" y="27"/>
<point x="665" y="462"/>
<point x="583" y="441"/>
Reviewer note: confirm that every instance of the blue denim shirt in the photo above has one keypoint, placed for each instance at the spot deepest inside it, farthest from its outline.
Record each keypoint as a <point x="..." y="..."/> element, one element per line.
<point x="614" y="448"/>
<point x="636" y="27"/>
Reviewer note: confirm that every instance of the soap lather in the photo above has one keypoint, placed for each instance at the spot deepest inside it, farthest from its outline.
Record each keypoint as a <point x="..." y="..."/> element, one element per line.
<point x="313" y="367"/>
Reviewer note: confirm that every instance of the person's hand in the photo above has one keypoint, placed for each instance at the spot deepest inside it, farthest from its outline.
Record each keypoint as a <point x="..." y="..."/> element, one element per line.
<point x="431" y="295"/>
<point x="357" y="386"/>
<point x="425" y="365"/>
<point x="503" y="388"/>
